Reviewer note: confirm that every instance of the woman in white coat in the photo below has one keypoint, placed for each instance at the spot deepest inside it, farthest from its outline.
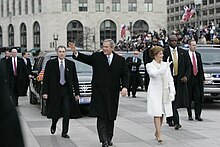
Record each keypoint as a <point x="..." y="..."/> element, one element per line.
<point x="161" y="89"/>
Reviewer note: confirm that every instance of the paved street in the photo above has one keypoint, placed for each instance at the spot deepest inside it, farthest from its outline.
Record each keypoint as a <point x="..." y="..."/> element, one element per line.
<point x="133" y="127"/>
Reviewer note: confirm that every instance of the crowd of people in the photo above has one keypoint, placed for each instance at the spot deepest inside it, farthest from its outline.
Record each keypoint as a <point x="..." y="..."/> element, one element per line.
<point x="176" y="75"/>
<point x="207" y="35"/>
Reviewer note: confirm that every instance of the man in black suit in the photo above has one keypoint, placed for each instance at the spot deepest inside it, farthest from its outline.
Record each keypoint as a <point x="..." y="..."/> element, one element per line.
<point x="148" y="59"/>
<point x="7" y="54"/>
<point x="195" y="82"/>
<point x="180" y="69"/>
<point x="133" y="64"/>
<point x="110" y="73"/>
<point x="10" y="129"/>
<point x="17" y="76"/>
<point x="27" y="62"/>
<point x="59" y="79"/>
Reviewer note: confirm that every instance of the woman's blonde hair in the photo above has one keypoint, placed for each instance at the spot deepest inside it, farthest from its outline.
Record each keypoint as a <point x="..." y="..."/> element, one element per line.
<point x="154" y="51"/>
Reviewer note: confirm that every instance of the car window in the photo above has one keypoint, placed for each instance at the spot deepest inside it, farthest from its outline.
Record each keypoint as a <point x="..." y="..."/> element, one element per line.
<point x="130" y="54"/>
<point x="210" y="56"/>
<point x="80" y="67"/>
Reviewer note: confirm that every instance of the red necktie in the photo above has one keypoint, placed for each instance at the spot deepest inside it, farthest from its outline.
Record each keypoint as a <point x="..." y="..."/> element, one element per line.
<point x="15" y="68"/>
<point x="194" y="65"/>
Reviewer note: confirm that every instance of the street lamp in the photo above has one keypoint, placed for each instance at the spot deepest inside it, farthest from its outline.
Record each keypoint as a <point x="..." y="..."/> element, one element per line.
<point x="131" y="29"/>
<point x="55" y="38"/>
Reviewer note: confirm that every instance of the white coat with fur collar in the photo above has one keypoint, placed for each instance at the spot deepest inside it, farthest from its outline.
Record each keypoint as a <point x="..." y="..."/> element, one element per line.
<point x="161" y="90"/>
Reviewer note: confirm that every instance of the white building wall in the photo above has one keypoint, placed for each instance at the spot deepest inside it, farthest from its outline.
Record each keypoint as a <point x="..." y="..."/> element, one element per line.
<point x="52" y="20"/>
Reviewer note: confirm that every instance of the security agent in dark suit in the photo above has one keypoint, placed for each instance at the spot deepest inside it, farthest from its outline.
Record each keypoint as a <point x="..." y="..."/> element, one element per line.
<point x="180" y="69"/>
<point x="59" y="79"/>
<point x="18" y="74"/>
<point x="110" y="73"/>
<point x="10" y="129"/>
<point x="195" y="82"/>
<point x="27" y="62"/>
<point x="148" y="59"/>
<point x="133" y="64"/>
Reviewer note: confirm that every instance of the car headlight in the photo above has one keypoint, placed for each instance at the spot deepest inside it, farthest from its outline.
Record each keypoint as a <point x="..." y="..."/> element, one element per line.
<point x="207" y="75"/>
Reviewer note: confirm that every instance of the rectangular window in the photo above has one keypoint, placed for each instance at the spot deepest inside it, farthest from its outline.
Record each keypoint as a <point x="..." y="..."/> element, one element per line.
<point x="172" y="18"/>
<point x="116" y="6"/>
<point x="132" y="5"/>
<point x="211" y="1"/>
<point x="32" y="4"/>
<point x="211" y="11"/>
<point x="99" y="5"/>
<point x="217" y="10"/>
<point x="39" y="6"/>
<point x="176" y="18"/>
<point x="177" y="9"/>
<point x="204" y="12"/>
<point x="26" y="6"/>
<point x="19" y="7"/>
<point x="2" y="8"/>
<point x="8" y="13"/>
<point x="66" y="5"/>
<point x="148" y="5"/>
<point x="13" y="7"/>
<point x="83" y="5"/>
<point x="204" y="2"/>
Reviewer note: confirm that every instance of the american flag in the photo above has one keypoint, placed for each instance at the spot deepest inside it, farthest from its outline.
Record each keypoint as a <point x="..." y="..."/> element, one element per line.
<point x="188" y="13"/>
<point x="123" y="31"/>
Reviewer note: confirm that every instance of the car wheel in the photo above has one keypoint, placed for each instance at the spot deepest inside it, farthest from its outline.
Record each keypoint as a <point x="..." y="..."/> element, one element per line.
<point x="43" y="107"/>
<point x="33" y="100"/>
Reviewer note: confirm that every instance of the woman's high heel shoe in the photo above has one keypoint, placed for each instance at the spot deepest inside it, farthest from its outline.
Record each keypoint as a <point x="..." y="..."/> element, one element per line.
<point x="158" y="137"/>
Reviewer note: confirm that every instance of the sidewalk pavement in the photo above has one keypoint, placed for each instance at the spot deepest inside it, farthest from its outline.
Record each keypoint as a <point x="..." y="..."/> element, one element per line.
<point x="133" y="128"/>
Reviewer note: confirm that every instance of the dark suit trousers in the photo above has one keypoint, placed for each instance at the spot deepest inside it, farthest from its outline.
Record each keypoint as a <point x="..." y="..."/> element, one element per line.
<point x="14" y="93"/>
<point x="133" y="83"/>
<point x="105" y="129"/>
<point x="175" y="117"/>
<point x="194" y="94"/>
<point x="65" y="107"/>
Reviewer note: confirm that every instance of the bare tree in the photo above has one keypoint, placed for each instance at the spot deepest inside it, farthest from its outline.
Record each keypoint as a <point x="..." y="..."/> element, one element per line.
<point x="88" y="38"/>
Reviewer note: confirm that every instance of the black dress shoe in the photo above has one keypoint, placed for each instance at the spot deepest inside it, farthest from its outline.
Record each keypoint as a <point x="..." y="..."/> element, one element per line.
<point x="190" y="118"/>
<point x="105" y="144"/>
<point x="177" y="126"/>
<point x="53" y="129"/>
<point x="170" y="124"/>
<point x="110" y="143"/>
<point x="199" y="118"/>
<point x="65" y="136"/>
<point x="134" y="96"/>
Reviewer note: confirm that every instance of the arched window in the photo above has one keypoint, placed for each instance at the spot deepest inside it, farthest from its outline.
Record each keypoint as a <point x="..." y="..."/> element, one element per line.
<point x="1" y="36"/>
<point x="140" y="27"/>
<point x="23" y="36"/>
<point x="36" y="37"/>
<point x="107" y="30"/>
<point x="10" y="35"/>
<point x="75" y="33"/>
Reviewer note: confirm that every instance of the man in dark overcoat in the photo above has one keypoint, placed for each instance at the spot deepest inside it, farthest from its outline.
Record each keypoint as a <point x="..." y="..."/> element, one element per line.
<point x="195" y="82"/>
<point x="180" y="73"/>
<point x="110" y="73"/>
<point x="60" y="78"/>
<point x="133" y="64"/>
<point x="11" y="135"/>
<point x="27" y="62"/>
<point x="18" y="74"/>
